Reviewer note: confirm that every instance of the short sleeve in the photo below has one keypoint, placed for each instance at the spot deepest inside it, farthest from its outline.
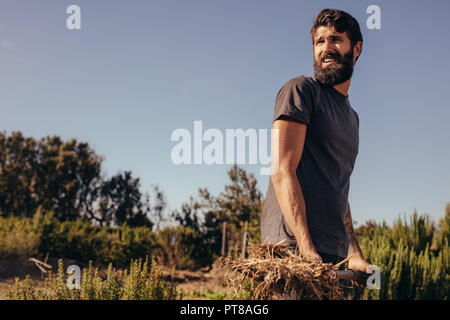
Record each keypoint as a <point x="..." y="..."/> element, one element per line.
<point x="295" y="101"/>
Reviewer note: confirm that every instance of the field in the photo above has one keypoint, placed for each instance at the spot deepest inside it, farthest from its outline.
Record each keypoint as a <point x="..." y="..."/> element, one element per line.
<point x="207" y="283"/>
<point x="413" y="256"/>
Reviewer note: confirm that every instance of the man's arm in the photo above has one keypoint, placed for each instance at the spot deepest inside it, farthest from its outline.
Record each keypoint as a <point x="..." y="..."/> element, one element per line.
<point x="354" y="248"/>
<point x="287" y="187"/>
<point x="356" y="262"/>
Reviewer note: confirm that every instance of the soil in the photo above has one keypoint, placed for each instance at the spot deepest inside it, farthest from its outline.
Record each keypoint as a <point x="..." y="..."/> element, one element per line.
<point x="196" y="285"/>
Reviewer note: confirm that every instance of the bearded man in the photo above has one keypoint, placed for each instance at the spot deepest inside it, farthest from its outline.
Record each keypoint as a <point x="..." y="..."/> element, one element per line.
<point x="307" y="199"/>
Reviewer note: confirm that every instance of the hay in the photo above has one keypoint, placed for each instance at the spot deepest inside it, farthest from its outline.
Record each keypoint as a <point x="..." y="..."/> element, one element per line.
<point x="276" y="272"/>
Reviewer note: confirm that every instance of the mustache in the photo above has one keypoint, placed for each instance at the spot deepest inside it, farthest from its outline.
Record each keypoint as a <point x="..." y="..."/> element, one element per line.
<point x="332" y="55"/>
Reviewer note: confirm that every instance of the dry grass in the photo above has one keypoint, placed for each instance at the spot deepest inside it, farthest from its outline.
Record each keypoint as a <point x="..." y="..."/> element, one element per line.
<point x="276" y="272"/>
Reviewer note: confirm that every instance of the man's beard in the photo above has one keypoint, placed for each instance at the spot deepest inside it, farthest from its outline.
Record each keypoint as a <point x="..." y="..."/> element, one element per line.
<point x="336" y="73"/>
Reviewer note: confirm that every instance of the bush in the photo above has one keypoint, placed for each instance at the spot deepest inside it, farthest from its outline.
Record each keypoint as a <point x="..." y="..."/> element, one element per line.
<point x="142" y="281"/>
<point x="409" y="268"/>
<point x="183" y="247"/>
<point x="18" y="238"/>
<point x="78" y="240"/>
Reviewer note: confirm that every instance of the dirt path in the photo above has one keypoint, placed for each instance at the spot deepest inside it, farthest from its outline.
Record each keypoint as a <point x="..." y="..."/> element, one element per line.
<point x="208" y="283"/>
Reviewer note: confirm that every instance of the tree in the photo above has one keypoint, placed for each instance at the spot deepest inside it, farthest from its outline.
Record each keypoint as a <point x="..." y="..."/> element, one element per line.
<point x="158" y="209"/>
<point x="18" y="165"/>
<point x="189" y="216"/>
<point x="121" y="201"/>
<point x="66" y="178"/>
<point x="241" y="201"/>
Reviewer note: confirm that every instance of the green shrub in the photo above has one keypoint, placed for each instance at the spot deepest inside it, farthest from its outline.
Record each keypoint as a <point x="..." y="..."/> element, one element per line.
<point x="183" y="247"/>
<point x="78" y="240"/>
<point x="142" y="281"/>
<point x="409" y="268"/>
<point x="18" y="238"/>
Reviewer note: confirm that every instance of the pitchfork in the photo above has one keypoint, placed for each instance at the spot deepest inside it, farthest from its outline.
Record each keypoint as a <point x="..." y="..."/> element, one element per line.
<point x="354" y="275"/>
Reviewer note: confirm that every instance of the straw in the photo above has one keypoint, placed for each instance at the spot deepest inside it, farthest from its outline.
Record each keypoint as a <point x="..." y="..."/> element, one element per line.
<point x="276" y="272"/>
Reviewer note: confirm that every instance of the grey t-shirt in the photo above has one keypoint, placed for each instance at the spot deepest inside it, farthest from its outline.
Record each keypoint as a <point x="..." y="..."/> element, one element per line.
<point x="328" y="158"/>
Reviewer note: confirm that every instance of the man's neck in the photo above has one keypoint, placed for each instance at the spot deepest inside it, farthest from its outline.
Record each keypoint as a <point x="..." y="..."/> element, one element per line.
<point x="343" y="87"/>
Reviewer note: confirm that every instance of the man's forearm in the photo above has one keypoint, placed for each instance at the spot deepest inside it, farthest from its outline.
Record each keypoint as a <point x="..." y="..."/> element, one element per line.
<point x="354" y="248"/>
<point x="292" y="204"/>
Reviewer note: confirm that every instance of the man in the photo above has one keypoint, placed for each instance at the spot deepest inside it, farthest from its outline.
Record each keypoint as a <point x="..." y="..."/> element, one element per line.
<point x="307" y="199"/>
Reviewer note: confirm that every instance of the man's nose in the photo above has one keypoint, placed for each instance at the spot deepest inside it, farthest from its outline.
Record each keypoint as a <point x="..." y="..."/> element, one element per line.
<point x="329" y="50"/>
<point x="328" y="46"/>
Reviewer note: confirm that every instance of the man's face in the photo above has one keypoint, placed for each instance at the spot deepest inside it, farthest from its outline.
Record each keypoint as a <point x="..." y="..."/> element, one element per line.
<point x="333" y="56"/>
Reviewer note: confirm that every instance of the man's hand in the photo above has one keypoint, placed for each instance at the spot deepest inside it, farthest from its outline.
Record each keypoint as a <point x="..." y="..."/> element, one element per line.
<point x="357" y="263"/>
<point x="310" y="254"/>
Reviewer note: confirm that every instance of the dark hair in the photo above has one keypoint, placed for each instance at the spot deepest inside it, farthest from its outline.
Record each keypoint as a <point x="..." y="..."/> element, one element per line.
<point x="339" y="20"/>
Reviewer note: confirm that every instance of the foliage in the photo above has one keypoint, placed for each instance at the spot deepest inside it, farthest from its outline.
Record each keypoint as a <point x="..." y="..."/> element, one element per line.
<point x="183" y="248"/>
<point x="413" y="255"/>
<point x="120" y="202"/>
<point x="209" y="294"/>
<point x="65" y="177"/>
<point x="240" y="202"/>
<point x="79" y="240"/>
<point x="56" y="175"/>
<point x="142" y="281"/>
<point x="413" y="258"/>
<point x="18" y="238"/>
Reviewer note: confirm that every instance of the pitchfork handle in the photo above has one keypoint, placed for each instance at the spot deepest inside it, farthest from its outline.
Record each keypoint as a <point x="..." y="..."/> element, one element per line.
<point x="350" y="274"/>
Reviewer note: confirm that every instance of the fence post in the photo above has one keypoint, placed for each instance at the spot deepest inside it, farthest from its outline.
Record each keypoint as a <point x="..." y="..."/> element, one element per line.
<point x="224" y="231"/>
<point x="244" y="241"/>
<point x="230" y="246"/>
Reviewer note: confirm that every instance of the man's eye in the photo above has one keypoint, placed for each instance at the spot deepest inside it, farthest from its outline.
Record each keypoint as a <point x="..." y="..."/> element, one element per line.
<point x="319" y="41"/>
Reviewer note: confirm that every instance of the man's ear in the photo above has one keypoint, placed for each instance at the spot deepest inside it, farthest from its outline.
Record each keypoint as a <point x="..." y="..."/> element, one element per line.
<point x="357" y="49"/>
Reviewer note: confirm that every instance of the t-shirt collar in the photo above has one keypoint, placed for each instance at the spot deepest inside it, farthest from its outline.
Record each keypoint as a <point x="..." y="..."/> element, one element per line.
<point x="332" y="89"/>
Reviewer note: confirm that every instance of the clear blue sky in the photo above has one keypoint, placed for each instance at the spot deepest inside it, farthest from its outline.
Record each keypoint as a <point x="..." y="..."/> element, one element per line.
<point x="137" y="70"/>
